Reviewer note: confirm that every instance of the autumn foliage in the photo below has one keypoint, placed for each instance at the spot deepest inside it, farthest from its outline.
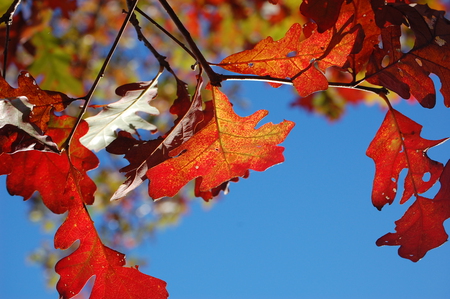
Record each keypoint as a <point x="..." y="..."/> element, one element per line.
<point x="49" y="139"/>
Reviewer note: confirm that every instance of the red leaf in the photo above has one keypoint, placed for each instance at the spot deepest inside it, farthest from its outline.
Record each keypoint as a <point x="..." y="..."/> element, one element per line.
<point x="302" y="61"/>
<point x="112" y="279"/>
<point x="6" y="164"/>
<point x="408" y="73"/>
<point x="210" y="194"/>
<point x="44" y="101"/>
<point x="226" y="148"/>
<point x="421" y="228"/>
<point x="57" y="177"/>
<point x="398" y="145"/>
<point x="367" y="38"/>
<point x="324" y="12"/>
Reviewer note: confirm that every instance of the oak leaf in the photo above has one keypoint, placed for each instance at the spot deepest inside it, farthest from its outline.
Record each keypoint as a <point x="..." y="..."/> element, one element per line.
<point x="421" y="228"/>
<point x="407" y="74"/>
<point x="122" y="115"/>
<point x="396" y="146"/>
<point x="302" y="61"/>
<point x="224" y="149"/>
<point x="112" y="279"/>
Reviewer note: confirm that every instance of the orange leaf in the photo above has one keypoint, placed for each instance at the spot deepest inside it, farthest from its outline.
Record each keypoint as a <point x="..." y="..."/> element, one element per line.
<point x="421" y="228"/>
<point x="398" y="145"/>
<point x="224" y="149"/>
<point x="303" y="61"/>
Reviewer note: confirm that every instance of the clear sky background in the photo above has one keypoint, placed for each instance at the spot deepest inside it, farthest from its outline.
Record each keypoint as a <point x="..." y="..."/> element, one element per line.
<point x="302" y="229"/>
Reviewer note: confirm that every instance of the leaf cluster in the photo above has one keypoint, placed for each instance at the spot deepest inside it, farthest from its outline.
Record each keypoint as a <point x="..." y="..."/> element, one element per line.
<point x="193" y="134"/>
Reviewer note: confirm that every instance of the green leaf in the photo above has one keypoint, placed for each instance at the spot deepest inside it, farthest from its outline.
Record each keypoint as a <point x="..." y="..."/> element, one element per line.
<point x="53" y="61"/>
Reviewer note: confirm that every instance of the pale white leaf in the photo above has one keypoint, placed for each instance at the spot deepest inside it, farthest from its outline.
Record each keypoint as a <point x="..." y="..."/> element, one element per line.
<point x="121" y="115"/>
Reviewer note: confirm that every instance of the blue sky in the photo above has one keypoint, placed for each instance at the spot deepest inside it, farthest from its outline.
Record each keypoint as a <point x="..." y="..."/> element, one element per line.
<point x="302" y="229"/>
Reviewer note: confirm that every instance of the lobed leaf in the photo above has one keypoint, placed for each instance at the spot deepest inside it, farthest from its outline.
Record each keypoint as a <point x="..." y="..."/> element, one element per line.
<point x="112" y="279"/>
<point x="225" y="148"/>
<point x="421" y="228"/>
<point x="57" y="177"/>
<point x="302" y="61"/>
<point x="121" y="115"/>
<point x="408" y="73"/>
<point x="396" y="146"/>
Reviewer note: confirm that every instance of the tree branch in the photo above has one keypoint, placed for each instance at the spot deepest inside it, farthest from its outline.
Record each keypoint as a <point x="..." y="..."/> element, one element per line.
<point x="8" y="15"/>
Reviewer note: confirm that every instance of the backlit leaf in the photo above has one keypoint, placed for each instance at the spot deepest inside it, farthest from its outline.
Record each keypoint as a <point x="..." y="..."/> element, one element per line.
<point x="57" y="177"/>
<point x="225" y="148"/>
<point x="408" y="73"/>
<point x="121" y="115"/>
<point x="396" y="146"/>
<point x="421" y="228"/>
<point x="112" y="279"/>
<point x="302" y="61"/>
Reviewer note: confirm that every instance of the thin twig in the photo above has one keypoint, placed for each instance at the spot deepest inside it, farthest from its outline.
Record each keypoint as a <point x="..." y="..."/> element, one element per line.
<point x="101" y="73"/>
<point x="7" y="18"/>
<point x="170" y="35"/>
<point x="5" y="51"/>
<point x="269" y="79"/>
<point x="376" y="90"/>
<point x="212" y="75"/>
<point x="161" y="58"/>
<point x="8" y="15"/>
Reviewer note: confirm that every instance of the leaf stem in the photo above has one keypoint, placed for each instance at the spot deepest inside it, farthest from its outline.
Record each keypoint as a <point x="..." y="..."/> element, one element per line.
<point x="101" y="73"/>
